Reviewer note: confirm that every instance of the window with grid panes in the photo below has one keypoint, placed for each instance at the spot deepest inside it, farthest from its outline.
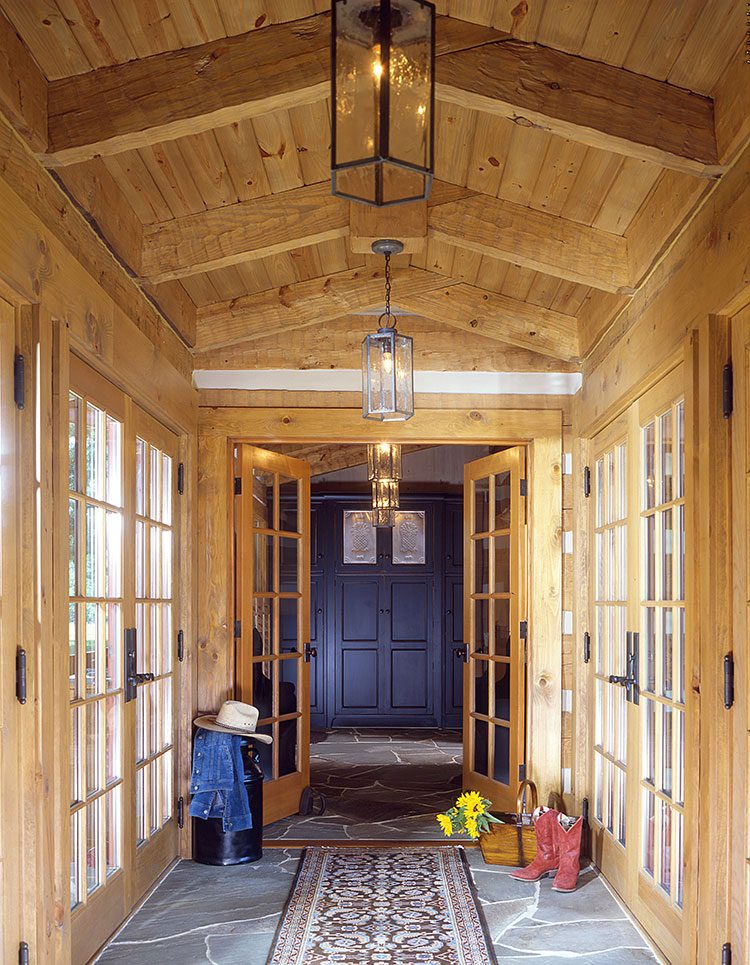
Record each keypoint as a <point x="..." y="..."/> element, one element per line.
<point x="95" y="538"/>
<point x="610" y="625"/>
<point x="662" y="649"/>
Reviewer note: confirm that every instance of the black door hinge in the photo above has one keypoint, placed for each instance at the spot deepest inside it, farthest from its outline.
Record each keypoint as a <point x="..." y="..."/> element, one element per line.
<point x="237" y="485"/>
<point x="180" y="645"/>
<point x="237" y="629"/>
<point x="586" y="647"/>
<point x="21" y="675"/>
<point x="181" y="478"/>
<point x="586" y="481"/>
<point x="728" y="681"/>
<point x="726" y="954"/>
<point x="524" y="629"/>
<point x="524" y="487"/>
<point x="19" y="381"/>
<point x="585" y="810"/>
<point x="727" y="393"/>
<point x="23" y="953"/>
<point x="521" y="772"/>
<point x="181" y="813"/>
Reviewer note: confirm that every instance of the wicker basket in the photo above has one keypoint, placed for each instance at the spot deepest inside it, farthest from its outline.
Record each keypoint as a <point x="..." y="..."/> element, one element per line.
<point x="513" y="843"/>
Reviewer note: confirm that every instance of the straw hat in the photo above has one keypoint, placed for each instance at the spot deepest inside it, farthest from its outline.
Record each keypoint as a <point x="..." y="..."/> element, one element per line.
<point x="234" y="718"/>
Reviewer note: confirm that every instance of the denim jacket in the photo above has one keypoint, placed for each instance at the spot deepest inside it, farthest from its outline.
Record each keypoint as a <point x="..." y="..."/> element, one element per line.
<point x="216" y="782"/>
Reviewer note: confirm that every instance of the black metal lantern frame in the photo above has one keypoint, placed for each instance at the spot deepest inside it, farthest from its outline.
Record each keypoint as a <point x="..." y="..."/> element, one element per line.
<point x="382" y="65"/>
<point x="384" y="461"/>
<point x="385" y="502"/>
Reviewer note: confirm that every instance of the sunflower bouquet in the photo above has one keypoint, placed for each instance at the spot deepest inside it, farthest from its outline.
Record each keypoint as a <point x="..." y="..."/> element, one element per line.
<point x="469" y="815"/>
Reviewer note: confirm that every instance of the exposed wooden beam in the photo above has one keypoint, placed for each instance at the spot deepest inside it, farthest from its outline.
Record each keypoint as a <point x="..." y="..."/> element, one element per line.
<point x="313" y="302"/>
<point x="187" y="91"/>
<point x="535" y="239"/>
<point x="23" y="88"/>
<point x="594" y="103"/>
<point x="331" y="457"/>
<point x="177" y="306"/>
<point x="338" y="345"/>
<point x="256" y="229"/>
<point x="408" y="223"/>
<point x="243" y="231"/>
<point x="498" y="317"/>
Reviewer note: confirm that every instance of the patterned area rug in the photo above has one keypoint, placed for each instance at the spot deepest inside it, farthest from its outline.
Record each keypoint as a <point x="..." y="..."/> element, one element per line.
<point x="390" y="907"/>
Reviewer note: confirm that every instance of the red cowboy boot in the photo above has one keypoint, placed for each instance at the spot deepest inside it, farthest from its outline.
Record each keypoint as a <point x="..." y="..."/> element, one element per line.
<point x="547" y="858"/>
<point x="568" y="840"/>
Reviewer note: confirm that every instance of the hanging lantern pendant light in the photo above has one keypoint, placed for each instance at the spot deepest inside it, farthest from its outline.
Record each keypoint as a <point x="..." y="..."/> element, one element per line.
<point x="383" y="97"/>
<point x="387" y="358"/>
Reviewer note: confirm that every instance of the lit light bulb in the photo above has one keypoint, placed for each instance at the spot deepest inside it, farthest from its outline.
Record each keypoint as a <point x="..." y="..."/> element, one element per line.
<point x="387" y="362"/>
<point x="377" y="69"/>
<point x="420" y="110"/>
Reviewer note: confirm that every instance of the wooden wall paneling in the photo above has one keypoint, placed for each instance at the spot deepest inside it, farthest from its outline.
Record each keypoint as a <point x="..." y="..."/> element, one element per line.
<point x="279" y="398"/>
<point x="714" y="588"/>
<point x="54" y="251"/>
<point x="215" y="654"/>
<point x="544" y="670"/>
<point x="704" y="271"/>
<point x="732" y="104"/>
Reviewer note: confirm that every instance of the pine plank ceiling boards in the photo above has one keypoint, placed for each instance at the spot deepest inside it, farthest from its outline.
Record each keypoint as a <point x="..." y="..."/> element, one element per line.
<point x="570" y="152"/>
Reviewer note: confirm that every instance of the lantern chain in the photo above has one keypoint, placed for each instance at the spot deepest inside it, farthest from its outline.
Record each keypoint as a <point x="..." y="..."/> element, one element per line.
<point x="387" y="319"/>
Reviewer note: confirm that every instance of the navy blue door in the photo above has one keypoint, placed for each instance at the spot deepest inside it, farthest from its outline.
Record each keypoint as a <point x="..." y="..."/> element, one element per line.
<point x="384" y="664"/>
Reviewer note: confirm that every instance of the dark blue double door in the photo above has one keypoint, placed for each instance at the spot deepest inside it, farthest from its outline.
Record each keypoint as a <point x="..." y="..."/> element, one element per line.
<point x="385" y="662"/>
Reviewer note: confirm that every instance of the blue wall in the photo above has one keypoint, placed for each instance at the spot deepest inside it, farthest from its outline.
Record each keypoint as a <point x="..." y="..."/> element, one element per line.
<point x="386" y="633"/>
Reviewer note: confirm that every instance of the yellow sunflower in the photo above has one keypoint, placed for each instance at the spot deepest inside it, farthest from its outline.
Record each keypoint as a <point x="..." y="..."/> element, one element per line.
<point x="471" y="827"/>
<point x="472" y="803"/>
<point x="445" y="823"/>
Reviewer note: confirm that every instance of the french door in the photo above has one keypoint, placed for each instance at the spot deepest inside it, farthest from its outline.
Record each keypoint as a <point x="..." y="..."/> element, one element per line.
<point x="272" y="608"/>
<point x="494" y="626"/>
<point x="638" y="693"/>
<point x="121" y="525"/>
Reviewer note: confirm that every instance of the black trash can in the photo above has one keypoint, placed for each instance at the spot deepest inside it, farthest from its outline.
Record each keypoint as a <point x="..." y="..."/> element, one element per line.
<point x="213" y="845"/>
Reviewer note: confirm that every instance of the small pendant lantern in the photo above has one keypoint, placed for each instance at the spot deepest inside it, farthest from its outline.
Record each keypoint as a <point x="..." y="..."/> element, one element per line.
<point x="384" y="502"/>
<point x="384" y="461"/>
<point x="387" y="359"/>
<point x="383" y="87"/>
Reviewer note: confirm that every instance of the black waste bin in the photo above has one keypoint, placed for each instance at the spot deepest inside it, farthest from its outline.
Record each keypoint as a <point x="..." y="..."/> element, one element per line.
<point x="213" y="845"/>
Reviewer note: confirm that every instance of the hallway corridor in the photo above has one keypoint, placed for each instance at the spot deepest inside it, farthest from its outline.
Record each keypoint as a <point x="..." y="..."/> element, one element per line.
<point x="228" y="916"/>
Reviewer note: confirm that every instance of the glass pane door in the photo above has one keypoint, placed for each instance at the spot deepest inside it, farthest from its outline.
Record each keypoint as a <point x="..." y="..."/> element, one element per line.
<point x="494" y="678"/>
<point x="96" y="524"/>
<point x="272" y="518"/>
<point x="611" y="560"/>
<point x="154" y="827"/>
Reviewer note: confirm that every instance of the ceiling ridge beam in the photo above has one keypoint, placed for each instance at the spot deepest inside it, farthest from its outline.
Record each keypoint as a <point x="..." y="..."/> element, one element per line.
<point x="311" y="302"/>
<point x="535" y="239"/>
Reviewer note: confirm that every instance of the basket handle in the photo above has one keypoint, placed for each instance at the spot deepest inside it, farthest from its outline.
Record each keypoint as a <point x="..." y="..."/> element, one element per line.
<point x="520" y="797"/>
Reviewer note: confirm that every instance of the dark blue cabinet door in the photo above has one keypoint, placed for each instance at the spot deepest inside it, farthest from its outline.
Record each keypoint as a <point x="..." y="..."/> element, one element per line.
<point x="356" y="667"/>
<point x="408" y="648"/>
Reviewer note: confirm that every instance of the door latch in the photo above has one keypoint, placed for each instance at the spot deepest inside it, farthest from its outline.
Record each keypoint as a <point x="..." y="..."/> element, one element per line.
<point x="462" y="652"/>
<point x="309" y="652"/>
<point x="630" y="680"/>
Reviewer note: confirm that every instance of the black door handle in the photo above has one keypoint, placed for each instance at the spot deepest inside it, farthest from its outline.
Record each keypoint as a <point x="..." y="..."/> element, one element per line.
<point x="309" y="652"/>
<point x="144" y="678"/>
<point x="462" y="653"/>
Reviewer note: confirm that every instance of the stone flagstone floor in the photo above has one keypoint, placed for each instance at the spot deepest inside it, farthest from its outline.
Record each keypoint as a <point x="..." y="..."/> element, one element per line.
<point x="379" y="785"/>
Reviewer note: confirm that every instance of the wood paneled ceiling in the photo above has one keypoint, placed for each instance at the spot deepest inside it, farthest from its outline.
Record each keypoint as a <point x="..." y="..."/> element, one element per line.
<point x="574" y="139"/>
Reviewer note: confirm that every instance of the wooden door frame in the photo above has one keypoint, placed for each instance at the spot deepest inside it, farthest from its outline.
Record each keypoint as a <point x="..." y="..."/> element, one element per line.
<point x="540" y="430"/>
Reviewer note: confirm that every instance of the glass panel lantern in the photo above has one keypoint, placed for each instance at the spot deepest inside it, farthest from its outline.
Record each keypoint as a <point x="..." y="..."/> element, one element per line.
<point x="387" y="376"/>
<point x="384" y="502"/>
<point x="384" y="461"/>
<point x="383" y="78"/>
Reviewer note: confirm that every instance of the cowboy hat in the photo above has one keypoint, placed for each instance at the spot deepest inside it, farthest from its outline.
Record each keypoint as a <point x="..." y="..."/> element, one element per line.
<point x="234" y="717"/>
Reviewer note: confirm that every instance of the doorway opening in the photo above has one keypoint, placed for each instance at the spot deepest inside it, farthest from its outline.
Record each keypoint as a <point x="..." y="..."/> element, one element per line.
<point x="388" y="664"/>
